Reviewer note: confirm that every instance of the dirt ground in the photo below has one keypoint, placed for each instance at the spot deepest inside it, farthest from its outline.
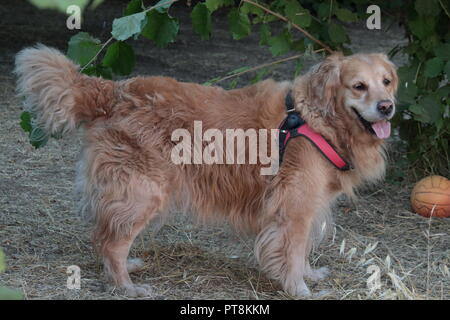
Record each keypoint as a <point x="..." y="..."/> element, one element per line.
<point x="42" y="235"/>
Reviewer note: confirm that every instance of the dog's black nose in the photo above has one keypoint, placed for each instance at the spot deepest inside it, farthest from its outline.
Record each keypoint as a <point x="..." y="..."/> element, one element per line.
<point x="385" y="107"/>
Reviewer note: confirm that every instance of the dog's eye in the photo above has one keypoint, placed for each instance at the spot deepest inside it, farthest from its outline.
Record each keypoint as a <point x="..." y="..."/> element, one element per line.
<point x="386" y="82"/>
<point x="360" y="86"/>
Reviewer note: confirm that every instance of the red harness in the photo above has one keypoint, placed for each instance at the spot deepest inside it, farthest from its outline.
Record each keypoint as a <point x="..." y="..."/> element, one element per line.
<point x="294" y="126"/>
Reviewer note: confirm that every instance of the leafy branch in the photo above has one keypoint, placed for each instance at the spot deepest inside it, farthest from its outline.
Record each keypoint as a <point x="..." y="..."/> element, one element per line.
<point x="121" y="35"/>
<point x="281" y="17"/>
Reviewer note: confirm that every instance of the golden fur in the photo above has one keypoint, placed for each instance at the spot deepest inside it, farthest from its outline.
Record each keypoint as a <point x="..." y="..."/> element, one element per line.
<point x="126" y="178"/>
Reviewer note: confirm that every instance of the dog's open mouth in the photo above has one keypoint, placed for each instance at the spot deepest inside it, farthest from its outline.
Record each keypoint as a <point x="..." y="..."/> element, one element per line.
<point x="382" y="128"/>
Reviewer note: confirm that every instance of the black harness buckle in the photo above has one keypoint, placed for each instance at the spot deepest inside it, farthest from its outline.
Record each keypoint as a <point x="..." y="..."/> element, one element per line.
<point x="289" y="126"/>
<point x="289" y="103"/>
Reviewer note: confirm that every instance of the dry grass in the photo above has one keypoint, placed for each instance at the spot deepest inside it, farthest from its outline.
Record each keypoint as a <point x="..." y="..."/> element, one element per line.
<point x="42" y="236"/>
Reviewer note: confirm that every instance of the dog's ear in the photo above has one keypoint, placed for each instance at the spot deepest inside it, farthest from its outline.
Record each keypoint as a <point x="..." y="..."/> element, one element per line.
<point x="323" y="83"/>
<point x="392" y="69"/>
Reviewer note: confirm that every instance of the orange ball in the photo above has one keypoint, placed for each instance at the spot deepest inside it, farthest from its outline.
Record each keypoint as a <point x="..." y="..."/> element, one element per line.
<point x="431" y="197"/>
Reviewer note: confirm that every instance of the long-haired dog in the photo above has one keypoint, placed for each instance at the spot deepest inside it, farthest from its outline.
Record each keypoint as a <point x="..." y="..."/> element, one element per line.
<point x="126" y="176"/>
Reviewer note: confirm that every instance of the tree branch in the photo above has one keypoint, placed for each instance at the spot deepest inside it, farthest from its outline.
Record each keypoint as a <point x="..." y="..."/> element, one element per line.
<point x="264" y="66"/>
<point x="279" y="16"/>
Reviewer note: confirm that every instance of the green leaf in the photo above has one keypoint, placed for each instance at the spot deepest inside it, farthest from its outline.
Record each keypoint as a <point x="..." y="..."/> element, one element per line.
<point x="38" y="138"/>
<point x="346" y="15"/>
<point x="10" y="294"/>
<point x="120" y="57"/>
<point x="2" y="261"/>
<point x="60" y="5"/>
<point x="212" y="81"/>
<point x="444" y="91"/>
<point x="407" y="73"/>
<point x="238" y="70"/>
<point x="337" y="33"/>
<point x="297" y="14"/>
<point x="443" y="51"/>
<point x="432" y="107"/>
<point x="239" y="24"/>
<point x="280" y="44"/>
<point x="95" y="4"/>
<point x="201" y="20"/>
<point x="421" y="27"/>
<point x="407" y="94"/>
<point x="233" y="84"/>
<point x="430" y="43"/>
<point x="412" y="48"/>
<point x="420" y="113"/>
<point x="259" y="75"/>
<point x="433" y="67"/>
<point x="99" y="70"/>
<point x="25" y="123"/>
<point x="213" y="5"/>
<point x="323" y="10"/>
<point x="160" y="28"/>
<point x="82" y="48"/>
<point x="427" y="7"/>
<point x="298" y="45"/>
<point x="133" y="7"/>
<point x="447" y="69"/>
<point x="264" y="34"/>
<point x="126" y="27"/>
<point x="248" y="8"/>
<point x="277" y="5"/>
<point x="428" y="110"/>
<point x="163" y="5"/>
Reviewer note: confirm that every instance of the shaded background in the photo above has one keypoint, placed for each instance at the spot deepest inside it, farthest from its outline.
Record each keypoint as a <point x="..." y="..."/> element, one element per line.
<point x="42" y="235"/>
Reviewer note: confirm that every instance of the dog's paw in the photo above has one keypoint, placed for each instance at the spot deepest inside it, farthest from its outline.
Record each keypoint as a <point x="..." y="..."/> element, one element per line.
<point x="136" y="291"/>
<point x="302" y="291"/>
<point x="299" y="290"/>
<point x="317" y="274"/>
<point x="134" y="265"/>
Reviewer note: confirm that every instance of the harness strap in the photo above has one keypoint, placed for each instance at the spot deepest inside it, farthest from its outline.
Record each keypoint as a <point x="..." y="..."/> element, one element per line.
<point x="295" y="126"/>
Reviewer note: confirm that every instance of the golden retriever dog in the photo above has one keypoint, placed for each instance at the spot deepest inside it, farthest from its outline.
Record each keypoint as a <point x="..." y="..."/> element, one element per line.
<point x="126" y="176"/>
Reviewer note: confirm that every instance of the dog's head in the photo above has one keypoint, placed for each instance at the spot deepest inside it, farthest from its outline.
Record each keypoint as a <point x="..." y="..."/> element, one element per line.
<point x="363" y="86"/>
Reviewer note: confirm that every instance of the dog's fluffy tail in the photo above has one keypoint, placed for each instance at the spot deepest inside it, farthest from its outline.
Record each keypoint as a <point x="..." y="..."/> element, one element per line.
<point x="58" y="96"/>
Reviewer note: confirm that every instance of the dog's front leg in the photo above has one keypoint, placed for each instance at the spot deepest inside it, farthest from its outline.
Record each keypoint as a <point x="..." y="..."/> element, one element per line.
<point x="284" y="243"/>
<point x="281" y="250"/>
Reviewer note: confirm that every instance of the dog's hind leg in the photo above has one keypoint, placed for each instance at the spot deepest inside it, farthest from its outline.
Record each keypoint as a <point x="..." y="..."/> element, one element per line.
<point x="124" y="187"/>
<point x="124" y="203"/>
<point x="123" y="211"/>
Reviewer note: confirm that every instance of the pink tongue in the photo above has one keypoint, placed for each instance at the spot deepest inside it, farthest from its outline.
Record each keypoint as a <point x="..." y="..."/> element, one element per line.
<point x="382" y="129"/>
